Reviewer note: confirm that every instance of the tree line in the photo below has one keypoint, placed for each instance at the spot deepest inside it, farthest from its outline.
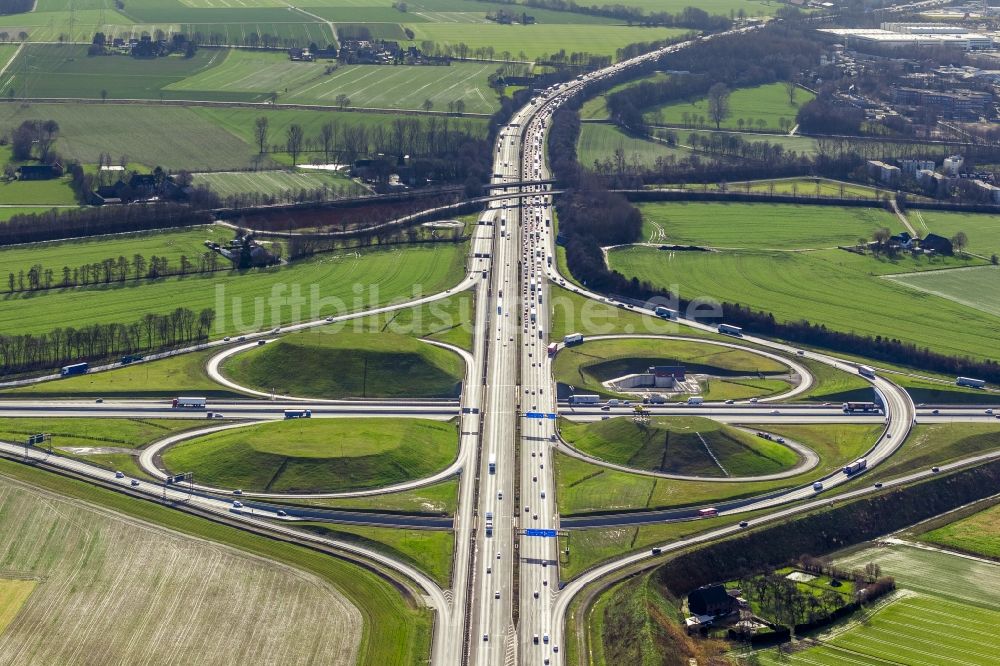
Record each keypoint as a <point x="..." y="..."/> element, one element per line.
<point x="111" y="270"/>
<point x="53" y="224"/>
<point x="99" y="342"/>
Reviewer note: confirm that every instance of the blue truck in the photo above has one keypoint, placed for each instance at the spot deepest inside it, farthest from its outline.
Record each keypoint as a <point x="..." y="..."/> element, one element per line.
<point x="75" y="369"/>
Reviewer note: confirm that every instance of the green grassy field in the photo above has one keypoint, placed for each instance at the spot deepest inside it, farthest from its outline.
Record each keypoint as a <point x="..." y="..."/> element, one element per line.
<point x="825" y="287"/>
<point x="977" y="288"/>
<point x="438" y="499"/>
<point x="164" y="378"/>
<point x="448" y="320"/>
<point x="108" y="443"/>
<point x="944" y="613"/>
<point x="936" y="393"/>
<point x="7" y="212"/>
<point x="257" y="300"/>
<point x="598" y="142"/>
<point x="55" y="192"/>
<point x="939" y="443"/>
<point x="585" y="488"/>
<point x="537" y="40"/>
<point x="76" y="554"/>
<point x="256" y="74"/>
<point x="803" y="145"/>
<point x="768" y="103"/>
<point x="428" y="550"/>
<point x="983" y="230"/>
<point x="978" y="534"/>
<point x="679" y="445"/>
<point x="321" y="364"/>
<point x="832" y="385"/>
<point x="735" y="373"/>
<point x="321" y="455"/>
<point x="171" y="244"/>
<point x="761" y="225"/>
<point x="276" y="183"/>
<point x="170" y="136"/>
<point x="393" y="629"/>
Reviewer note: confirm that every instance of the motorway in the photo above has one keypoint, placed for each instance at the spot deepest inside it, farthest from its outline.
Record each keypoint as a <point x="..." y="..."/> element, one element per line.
<point x="506" y="606"/>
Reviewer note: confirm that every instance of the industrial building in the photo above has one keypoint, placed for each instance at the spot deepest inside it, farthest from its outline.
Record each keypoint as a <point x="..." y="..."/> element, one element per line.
<point x="898" y="35"/>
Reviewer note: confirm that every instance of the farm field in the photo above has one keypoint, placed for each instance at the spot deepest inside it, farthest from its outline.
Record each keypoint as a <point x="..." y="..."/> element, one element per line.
<point x="944" y="612"/>
<point x="803" y="145"/>
<point x="823" y="187"/>
<point x="679" y="445"/>
<point x="538" y="40"/>
<point x="978" y="534"/>
<point x="107" y="443"/>
<point x="428" y="550"/>
<point x="977" y="287"/>
<point x="260" y="73"/>
<point x="598" y="143"/>
<point x="56" y="192"/>
<point x="251" y="301"/>
<point x="983" y="230"/>
<point x="761" y="225"/>
<point x="170" y="244"/>
<point x="331" y="365"/>
<point x="318" y="455"/>
<point x="169" y="136"/>
<point x="767" y="103"/>
<point x="396" y="629"/>
<point x="586" y="488"/>
<point x="82" y="604"/>
<point x="824" y="287"/>
<point x="276" y="183"/>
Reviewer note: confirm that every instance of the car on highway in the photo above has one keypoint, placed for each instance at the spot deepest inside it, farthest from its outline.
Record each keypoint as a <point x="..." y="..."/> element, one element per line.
<point x="119" y="475"/>
<point x="135" y="482"/>
<point x="535" y="594"/>
<point x="499" y="495"/>
<point x="818" y="486"/>
<point x="282" y="513"/>
<point x="744" y="523"/>
<point x="486" y="637"/>
<point x="99" y="401"/>
<point x="935" y="469"/>
<point x="730" y="402"/>
<point x="496" y="595"/>
<point x="237" y="504"/>
<point x="238" y="491"/>
<point x="878" y="485"/>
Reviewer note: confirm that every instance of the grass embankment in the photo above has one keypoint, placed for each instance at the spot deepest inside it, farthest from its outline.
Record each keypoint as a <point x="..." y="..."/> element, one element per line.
<point x="321" y="364"/>
<point x="428" y="550"/>
<point x="733" y="373"/>
<point x="599" y="143"/>
<point x="319" y="455"/>
<point x="168" y="377"/>
<point x="109" y="443"/>
<point x="586" y="488"/>
<point x="679" y="445"/>
<point x="395" y="631"/>
<point x="939" y="443"/>
<point x="438" y="499"/>
<point x="573" y="313"/>
<point x="448" y="320"/>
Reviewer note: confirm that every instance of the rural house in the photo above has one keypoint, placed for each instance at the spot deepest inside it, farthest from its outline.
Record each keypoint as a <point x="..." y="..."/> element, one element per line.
<point x="711" y="600"/>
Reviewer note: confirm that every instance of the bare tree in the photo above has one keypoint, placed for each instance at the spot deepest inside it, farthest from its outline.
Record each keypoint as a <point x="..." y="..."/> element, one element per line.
<point x="260" y="133"/>
<point x="959" y="242"/>
<point x="327" y="135"/>
<point x="718" y="103"/>
<point x="790" y="88"/>
<point x="293" y="142"/>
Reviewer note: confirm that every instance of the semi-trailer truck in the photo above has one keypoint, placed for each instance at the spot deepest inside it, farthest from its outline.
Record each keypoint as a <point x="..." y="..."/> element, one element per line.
<point x="728" y="329"/>
<point x="856" y="466"/>
<point x="75" y="369"/>
<point x="970" y="382"/>
<point x="584" y="399"/>
<point x="708" y="513"/>
<point x="866" y="371"/>
<point x="865" y="407"/>
<point x="573" y="339"/>
<point x="553" y="348"/>
<point x="696" y="400"/>
<point x="298" y="413"/>
<point x="489" y="523"/>
<point x="187" y="402"/>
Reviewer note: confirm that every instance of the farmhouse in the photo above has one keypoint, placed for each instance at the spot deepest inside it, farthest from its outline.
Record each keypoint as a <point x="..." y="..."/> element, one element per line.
<point x="936" y="243"/>
<point x="712" y="600"/>
<point x="39" y="171"/>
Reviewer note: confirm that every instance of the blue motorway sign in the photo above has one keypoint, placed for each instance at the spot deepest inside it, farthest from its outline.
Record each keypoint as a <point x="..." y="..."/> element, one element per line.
<point x="539" y="415"/>
<point x="539" y="533"/>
